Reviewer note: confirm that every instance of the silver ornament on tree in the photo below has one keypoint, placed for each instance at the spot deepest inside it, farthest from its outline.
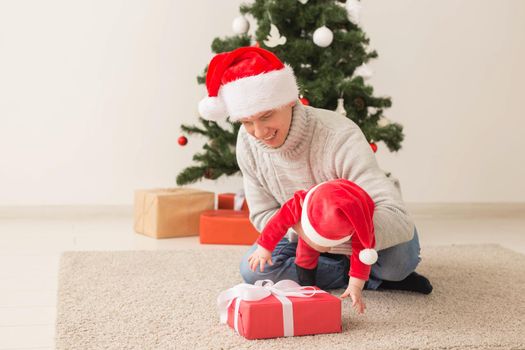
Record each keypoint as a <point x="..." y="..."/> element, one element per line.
<point x="274" y="38"/>
<point x="240" y="25"/>
<point x="353" y="7"/>
<point x="341" y="106"/>
<point x="323" y="36"/>
<point x="303" y="2"/>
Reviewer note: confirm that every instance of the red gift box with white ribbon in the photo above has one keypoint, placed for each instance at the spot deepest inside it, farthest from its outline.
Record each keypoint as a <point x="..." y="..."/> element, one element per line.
<point x="268" y="310"/>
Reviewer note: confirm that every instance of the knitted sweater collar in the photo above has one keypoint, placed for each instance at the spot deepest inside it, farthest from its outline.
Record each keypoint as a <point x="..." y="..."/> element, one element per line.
<point x="297" y="137"/>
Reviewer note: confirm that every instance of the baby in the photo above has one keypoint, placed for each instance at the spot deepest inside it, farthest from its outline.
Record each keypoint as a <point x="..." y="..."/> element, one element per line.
<point x="330" y="214"/>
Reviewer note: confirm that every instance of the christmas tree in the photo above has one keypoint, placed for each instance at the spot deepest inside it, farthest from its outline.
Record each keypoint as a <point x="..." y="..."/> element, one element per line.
<point x="328" y="51"/>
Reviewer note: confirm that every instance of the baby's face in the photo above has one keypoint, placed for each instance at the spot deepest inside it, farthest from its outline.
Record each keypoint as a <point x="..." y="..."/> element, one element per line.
<point x="317" y="247"/>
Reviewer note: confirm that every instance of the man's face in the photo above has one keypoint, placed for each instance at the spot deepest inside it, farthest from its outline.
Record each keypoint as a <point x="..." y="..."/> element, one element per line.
<point x="270" y="127"/>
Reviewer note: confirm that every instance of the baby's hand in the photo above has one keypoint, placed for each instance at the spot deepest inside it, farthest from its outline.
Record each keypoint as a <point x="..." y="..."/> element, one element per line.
<point x="259" y="257"/>
<point x="354" y="289"/>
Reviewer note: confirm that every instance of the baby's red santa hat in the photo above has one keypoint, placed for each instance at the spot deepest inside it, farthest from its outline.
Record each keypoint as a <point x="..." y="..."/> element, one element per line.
<point x="246" y="81"/>
<point x="337" y="210"/>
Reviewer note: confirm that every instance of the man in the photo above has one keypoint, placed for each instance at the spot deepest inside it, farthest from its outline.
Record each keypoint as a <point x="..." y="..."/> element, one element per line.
<point x="283" y="147"/>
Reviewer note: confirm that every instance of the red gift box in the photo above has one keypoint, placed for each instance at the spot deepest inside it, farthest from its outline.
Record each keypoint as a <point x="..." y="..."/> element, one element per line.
<point x="227" y="200"/>
<point x="226" y="227"/>
<point x="265" y="318"/>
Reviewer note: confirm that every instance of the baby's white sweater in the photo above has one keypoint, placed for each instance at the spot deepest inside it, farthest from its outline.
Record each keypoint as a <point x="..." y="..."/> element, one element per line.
<point x="321" y="145"/>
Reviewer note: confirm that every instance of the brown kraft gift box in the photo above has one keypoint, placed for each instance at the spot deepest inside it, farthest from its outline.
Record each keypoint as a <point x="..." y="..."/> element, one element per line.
<point x="170" y="212"/>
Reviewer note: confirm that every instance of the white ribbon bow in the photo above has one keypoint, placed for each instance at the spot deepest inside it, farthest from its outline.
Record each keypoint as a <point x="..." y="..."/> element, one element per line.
<point x="238" y="200"/>
<point x="260" y="290"/>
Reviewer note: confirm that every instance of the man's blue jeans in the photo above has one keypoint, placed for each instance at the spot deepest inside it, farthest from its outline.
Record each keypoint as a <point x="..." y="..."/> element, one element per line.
<point x="393" y="264"/>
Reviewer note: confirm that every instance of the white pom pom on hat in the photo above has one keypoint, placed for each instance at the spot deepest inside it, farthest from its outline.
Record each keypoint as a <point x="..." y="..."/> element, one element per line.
<point x="368" y="256"/>
<point x="212" y="108"/>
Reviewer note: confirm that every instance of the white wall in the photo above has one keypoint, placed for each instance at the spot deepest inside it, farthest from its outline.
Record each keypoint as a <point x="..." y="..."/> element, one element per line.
<point x="455" y="71"/>
<point x="92" y="95"/>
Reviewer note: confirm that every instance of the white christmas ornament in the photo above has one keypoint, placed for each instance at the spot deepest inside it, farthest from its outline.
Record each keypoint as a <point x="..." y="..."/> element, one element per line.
<point x="323" y="36"/>
<point x="303" y="2"/>
<point x="363" y="71"/>
<point x="274" y="38"/>
<point x="353" y="7"/>
<point x="341" y="106"/>
<point x="240" y="25"/>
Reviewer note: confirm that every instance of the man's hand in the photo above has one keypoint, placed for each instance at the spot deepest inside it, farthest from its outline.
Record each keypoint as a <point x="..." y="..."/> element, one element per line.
<point x="355" y="286"/>
<point x="260" y="257"/>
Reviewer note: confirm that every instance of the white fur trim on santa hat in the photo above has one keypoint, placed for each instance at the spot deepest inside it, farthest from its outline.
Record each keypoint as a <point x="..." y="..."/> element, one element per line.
<point x="212" y="108"/>
<point x="310" y="232"/>
<point x="251" y="95"/>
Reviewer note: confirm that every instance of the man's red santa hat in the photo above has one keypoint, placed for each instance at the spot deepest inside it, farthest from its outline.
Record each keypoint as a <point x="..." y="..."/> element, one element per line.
<point x="246" y="81"/>
<point x="335" y="211"/>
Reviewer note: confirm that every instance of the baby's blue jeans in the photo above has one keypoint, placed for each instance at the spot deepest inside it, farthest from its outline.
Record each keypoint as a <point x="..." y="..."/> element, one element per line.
<point x="393" y="264"/>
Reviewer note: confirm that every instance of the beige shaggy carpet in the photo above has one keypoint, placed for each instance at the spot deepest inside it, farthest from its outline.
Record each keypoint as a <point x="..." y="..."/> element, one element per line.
<point x="167" y="300"/>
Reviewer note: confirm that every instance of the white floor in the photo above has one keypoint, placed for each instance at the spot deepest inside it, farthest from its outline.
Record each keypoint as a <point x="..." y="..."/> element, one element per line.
<point x="32" y="239"/>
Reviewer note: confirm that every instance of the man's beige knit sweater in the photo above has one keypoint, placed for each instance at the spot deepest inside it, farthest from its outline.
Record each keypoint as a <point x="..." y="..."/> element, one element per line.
<point x="321" y="145"/>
